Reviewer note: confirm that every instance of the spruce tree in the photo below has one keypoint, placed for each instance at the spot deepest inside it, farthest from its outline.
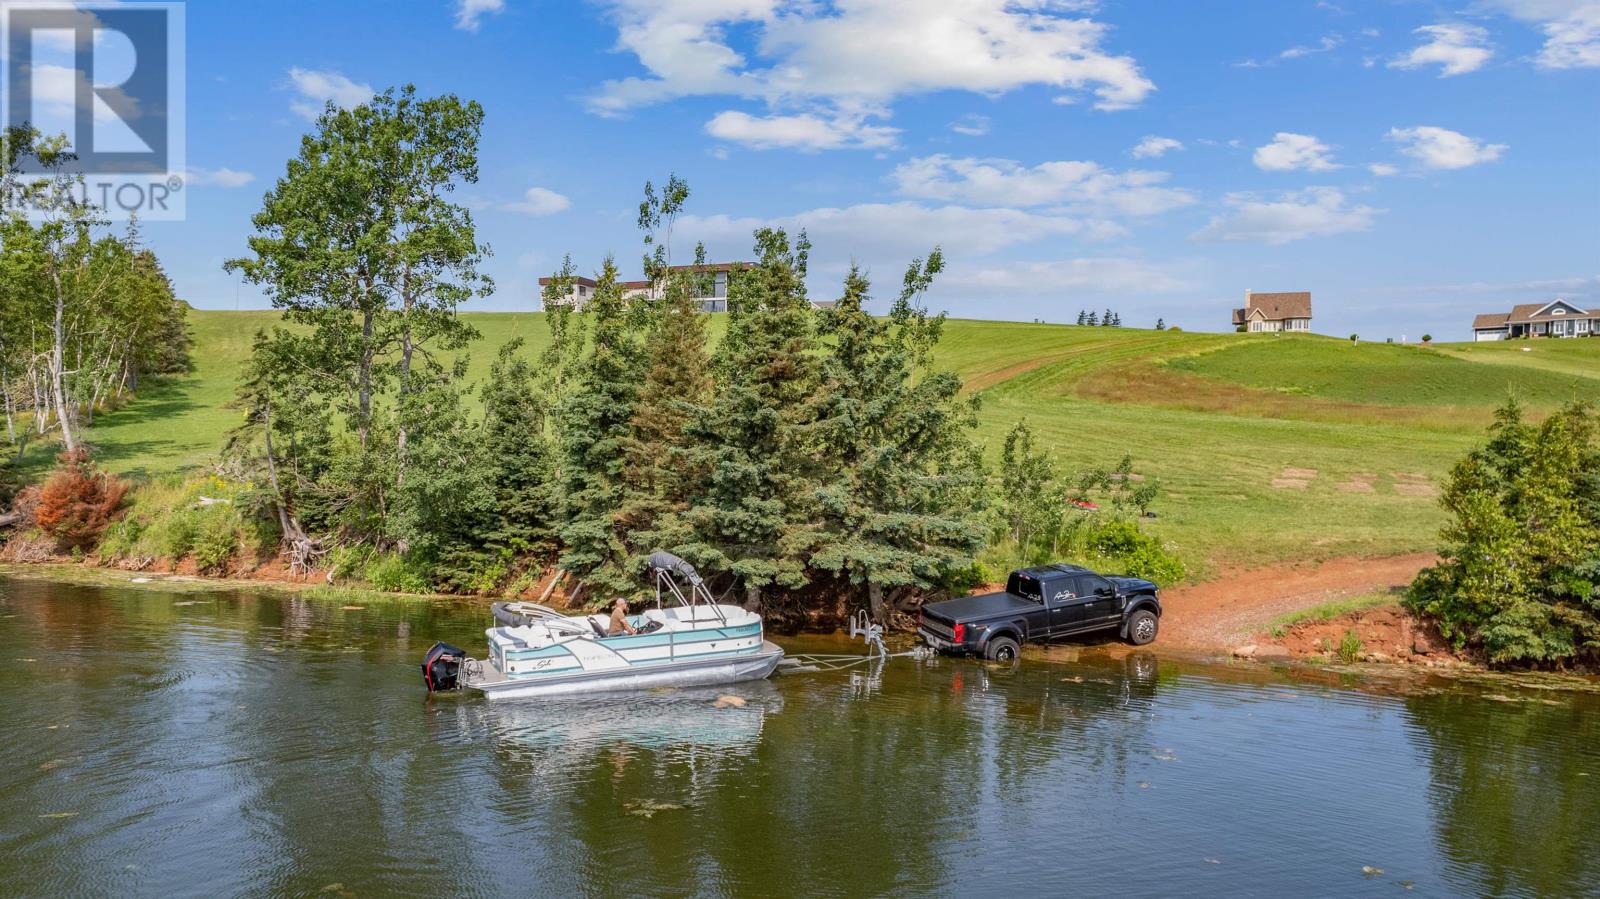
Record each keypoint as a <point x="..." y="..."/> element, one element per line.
<point x="594" y="430"/>
<point x="1161" y="324"/>
<point x="1083" y="317"/>
<point x="1093" y="319"/>
<point x="659" y="473"/>
<point x="751" y="444"/>
<point x="895" y="450"/>
<point x="1107" y="319"/>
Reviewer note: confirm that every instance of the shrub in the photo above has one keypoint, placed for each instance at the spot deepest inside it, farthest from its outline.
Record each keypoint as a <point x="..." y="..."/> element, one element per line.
<point x="216" y="540"/>
<point x="1138" y="554"/>
<point x="175" y="535"/>
<point x="390" y="573"/>
<point x="121" y="540"/>
<point x="78" y="502"/>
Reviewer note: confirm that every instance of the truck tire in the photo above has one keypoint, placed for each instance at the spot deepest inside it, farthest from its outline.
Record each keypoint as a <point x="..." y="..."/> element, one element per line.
<point x="1002" y="649"/>
<point x="1142" y="627"/>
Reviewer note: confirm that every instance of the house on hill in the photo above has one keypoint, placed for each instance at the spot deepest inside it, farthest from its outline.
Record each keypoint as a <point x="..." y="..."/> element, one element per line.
<point x="709" y="287"/>
<point x="1274" y="312"/>
<point x="1558" y="318"/>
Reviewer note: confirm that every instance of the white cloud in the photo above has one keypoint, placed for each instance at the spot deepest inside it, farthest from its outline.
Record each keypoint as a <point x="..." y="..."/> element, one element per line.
<point x="971" y="124"/>
<point x="1082" y="186"/>
<point x="895" y="232"/>
<point x="1313" y="212"/>
<point x="223" y="177"/>
<point x="1457" y="48"/>
<point x="1289" y="152"/>
<point x="835" y="59"/>
<point x="1571" y="29"/>
<point x="539" y="201"/>
<point x="1329" y="42"/>
<point x="469" y="13"/>
<point x="1383" y="170"/>
<point x="1057" y="278"/>
<point x="1153" y="147"/>
<point x="319" y="88"/>
<point x="802" y="132"/>
<point x="1441" y="148"/>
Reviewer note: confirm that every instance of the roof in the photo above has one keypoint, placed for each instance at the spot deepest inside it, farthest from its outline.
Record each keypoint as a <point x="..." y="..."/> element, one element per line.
<point x="634" y="285"/>
<point x="586" y="282"/>
<point x="1238" y="316"/>
<point x="824" y="304"/>
<point x="1490" y="320"/>
<point x="1279" y="306"/>
<point x="1523" y="313"/>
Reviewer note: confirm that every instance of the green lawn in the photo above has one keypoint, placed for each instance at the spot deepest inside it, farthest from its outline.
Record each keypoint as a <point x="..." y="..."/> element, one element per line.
<point x="1358" y="481"/>
<point x="1390" y="374"/>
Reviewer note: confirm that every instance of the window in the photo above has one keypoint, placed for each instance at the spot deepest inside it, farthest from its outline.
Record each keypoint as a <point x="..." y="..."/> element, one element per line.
<point x="1089" y="585"/>
<point x="1025" y="586"/>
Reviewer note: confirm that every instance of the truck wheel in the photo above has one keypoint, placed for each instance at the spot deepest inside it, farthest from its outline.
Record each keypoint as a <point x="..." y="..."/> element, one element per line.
<point x="1142" y="627"/>
<point x="1001" y="649"/>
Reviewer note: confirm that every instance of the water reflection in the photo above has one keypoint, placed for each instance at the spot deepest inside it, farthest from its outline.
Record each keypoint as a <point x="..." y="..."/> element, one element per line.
<point x="248" y="743"/>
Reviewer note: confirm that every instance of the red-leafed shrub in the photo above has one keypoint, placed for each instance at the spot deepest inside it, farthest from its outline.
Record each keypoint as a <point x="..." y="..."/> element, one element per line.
<point x="78" y="503"/>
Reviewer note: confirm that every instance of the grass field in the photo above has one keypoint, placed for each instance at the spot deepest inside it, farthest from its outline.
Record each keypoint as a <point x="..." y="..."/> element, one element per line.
<point x="1268" y="449"/>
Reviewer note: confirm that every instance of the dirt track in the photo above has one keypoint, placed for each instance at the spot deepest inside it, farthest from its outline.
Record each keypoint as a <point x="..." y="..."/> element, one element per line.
<point x="1226" y="611"/>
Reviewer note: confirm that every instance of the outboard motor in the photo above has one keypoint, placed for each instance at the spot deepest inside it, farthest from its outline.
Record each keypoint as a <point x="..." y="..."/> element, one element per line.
<point x="441" y="667"/>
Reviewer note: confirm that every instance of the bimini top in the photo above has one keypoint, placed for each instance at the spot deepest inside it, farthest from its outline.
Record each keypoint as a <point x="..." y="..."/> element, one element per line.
<point x="661" y="560"/>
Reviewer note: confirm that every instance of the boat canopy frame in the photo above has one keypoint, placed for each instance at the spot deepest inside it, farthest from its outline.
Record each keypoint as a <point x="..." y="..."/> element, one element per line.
<point x="665" y="565"/>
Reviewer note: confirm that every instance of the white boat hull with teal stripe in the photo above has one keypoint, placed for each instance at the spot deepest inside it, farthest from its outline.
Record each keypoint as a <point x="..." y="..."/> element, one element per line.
<point x="689" y="645"/>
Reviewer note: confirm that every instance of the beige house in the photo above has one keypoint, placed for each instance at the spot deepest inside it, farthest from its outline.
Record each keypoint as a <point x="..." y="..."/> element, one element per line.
<point x="1274" y="312"/>
<point x="1558" y="318"/>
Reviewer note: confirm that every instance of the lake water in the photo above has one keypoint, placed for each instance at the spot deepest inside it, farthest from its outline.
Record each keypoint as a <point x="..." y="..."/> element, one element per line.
<point x="167" y="744"/>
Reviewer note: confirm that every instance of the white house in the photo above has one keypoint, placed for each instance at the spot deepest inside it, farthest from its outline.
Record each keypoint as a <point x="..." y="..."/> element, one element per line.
<point x="1558" y="318"/>
<point x="710" y="286"/>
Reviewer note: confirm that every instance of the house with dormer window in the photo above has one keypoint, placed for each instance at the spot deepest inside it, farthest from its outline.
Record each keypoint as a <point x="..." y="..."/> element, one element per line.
<point x="1276" y="312"/>
<point x="1558" y="318"/>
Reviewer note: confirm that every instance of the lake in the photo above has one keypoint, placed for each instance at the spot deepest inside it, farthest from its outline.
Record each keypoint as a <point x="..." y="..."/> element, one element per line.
<point x="177" y="744"/>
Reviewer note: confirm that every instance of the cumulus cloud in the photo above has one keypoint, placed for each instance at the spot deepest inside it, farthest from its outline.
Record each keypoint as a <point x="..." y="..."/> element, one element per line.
<point x="1441" y="148"/>
<point x="825" y="60"/>
<point x="1571" y="29"/>
<point x="1153" y="147"/>
<point x="1296" y="215"/>
<point x="223" y="177"/>
<point x="1383" y="169"/>
<point x="1457" y="48"/>
<point x="802" y="132"/>
<point x="894" y="232"/>
<point x="470" y="13"/>
<point x="1082" y="186"/>
<point x="319" y="88"/>
<point x="539" y="201"/>
<point x="1289" y="152"/>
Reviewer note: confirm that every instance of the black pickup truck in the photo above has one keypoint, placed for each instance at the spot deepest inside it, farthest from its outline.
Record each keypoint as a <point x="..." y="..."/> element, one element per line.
<point x="1041" y="604"/>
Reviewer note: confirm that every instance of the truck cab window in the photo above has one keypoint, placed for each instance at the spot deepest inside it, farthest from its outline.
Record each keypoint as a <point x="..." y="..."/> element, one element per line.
<point x="1024" y="586"/>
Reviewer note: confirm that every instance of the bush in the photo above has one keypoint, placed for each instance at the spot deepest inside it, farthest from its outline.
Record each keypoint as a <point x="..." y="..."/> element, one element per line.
<point x="78" y="502"/>
<point x="1138" y="554"/>
<point x="174" y="536"/>
<point x="1349" y="647"/>
<point x="216" y="540"/>
<point x="1519" y="570"/>
<point x="390" y="573"/>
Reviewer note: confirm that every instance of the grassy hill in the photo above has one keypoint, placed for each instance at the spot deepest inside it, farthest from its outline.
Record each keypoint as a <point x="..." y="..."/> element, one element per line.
<point x="1268" y="448"/>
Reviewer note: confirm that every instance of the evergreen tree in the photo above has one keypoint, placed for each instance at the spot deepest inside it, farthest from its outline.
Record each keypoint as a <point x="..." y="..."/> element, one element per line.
<point x="677" y="380"/>
<point x="595" y="425"/>
<point x="1107" y="319"/>
<point x="1093" y="319"/>
<point x="894" y="449"/>
<point x="1161" y="324"/>
<point x="751" y="444"/>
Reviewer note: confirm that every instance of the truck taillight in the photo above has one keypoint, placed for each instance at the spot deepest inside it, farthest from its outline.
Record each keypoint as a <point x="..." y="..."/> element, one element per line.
<point x="959" y="635"/>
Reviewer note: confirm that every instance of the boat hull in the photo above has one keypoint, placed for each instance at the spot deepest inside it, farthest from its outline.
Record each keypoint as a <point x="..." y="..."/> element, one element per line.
<point x="693" y="672"/>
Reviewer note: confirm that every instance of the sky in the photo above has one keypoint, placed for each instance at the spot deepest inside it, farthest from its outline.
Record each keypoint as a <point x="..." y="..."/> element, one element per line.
<point x="1409" y="163"/>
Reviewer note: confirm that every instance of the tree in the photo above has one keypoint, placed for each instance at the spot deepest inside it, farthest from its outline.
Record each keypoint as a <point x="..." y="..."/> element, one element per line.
<point x="1519" y="575"/>
<point x="1083" y="317"/>
<point x="751" y="515"/>
<point x="1094" y="319"/>
<point x="359" y="243"/>
<point x="1107" y="320"/>
<point x="895" y="503"/>
<point x="595" y="425"/>
<point x="1161" y="324"/>
<point x="1026" y="500"/>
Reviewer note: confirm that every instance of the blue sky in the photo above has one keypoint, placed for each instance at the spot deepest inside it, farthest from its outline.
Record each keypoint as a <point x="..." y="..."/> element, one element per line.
<point x="1410" y="163"/>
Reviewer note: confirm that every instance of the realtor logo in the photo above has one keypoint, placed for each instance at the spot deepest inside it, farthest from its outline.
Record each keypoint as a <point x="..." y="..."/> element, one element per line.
<point x="109" y="79"/>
